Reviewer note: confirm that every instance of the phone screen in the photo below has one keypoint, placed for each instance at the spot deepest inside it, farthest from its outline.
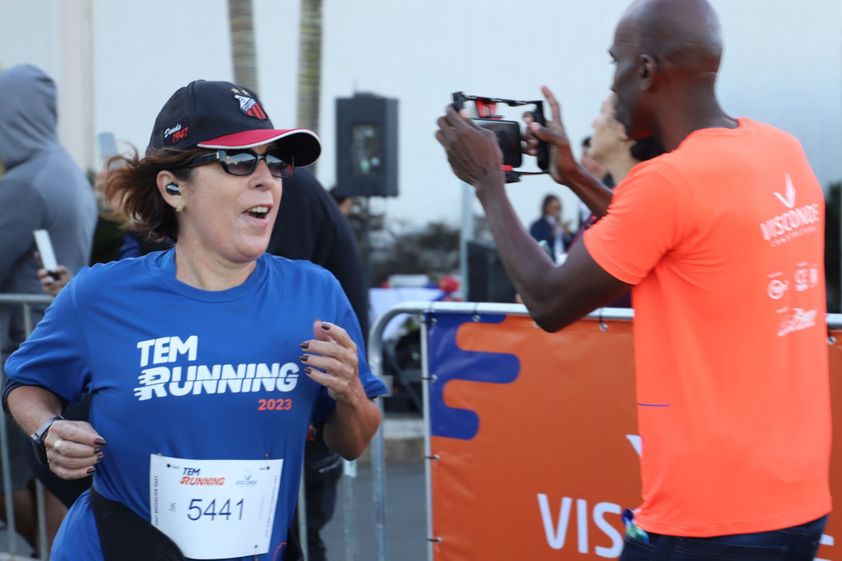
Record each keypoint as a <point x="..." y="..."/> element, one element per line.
<point x="508" y="137"/>
<point x="45" y="249"/>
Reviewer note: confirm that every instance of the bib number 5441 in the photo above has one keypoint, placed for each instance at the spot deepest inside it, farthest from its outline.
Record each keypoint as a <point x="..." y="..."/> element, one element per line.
<point x="199" y="508"/>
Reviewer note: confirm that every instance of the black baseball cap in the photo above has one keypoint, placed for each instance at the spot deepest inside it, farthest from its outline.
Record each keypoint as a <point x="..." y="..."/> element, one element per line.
<point x="216" y="114"/>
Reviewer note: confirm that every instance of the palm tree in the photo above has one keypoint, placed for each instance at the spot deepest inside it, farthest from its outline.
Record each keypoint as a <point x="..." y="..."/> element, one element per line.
<point x="309" y="65"/>
<point x="243" y="54"/>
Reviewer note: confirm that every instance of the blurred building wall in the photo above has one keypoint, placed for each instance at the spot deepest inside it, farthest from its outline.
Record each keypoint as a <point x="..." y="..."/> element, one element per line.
<point x="782" y="65"/>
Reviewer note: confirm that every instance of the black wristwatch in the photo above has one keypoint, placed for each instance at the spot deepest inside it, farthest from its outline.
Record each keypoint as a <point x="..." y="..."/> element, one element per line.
<point x="37" y="438"/>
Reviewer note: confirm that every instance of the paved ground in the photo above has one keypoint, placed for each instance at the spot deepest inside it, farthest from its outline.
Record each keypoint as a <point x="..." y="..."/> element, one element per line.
<point x="405" y="516"/>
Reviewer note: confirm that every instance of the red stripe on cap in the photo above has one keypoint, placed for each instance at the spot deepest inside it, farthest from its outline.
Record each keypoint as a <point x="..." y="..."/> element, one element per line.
<point x="306" y="143"/>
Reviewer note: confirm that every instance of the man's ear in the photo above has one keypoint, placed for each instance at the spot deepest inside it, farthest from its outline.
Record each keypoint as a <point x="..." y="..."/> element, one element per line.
<point x="647" y="69"/>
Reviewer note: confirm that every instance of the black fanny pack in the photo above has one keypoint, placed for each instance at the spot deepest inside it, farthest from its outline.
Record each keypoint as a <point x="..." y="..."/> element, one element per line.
<point x="125" y="536"/>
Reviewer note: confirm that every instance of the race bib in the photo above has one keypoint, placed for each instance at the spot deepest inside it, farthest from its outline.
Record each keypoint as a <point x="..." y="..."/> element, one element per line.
<point x="214" y="509"/>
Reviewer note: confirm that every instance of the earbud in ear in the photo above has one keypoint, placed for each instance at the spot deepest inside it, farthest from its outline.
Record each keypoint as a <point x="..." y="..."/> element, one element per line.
<point x="173" y="189"/>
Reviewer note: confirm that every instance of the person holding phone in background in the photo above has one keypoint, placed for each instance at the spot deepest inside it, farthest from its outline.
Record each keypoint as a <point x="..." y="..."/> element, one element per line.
<point x="42" y="188"/>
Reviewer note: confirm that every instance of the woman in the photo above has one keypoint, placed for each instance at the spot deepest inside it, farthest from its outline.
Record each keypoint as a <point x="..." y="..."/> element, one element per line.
<point x="550" y="228"/>
<point x="618" y="154"/>
<point x="613" y="149"/>
<point x="206" y="362"/>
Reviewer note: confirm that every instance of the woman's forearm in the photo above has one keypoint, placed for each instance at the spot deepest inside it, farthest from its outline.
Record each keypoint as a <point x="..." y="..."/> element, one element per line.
<point x="32" y="405"/>
<point x="351" y="427"/>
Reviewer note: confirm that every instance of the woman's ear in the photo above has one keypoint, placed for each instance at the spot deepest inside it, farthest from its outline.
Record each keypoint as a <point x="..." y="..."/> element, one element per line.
<point x="170" y="188"/>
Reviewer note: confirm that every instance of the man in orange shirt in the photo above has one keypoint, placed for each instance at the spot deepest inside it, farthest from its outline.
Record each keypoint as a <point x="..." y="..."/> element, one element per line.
<point x="721" y="242"/>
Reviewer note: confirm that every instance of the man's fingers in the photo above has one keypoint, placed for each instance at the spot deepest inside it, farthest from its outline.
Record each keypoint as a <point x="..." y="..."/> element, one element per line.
<point x="456" y="120"/>
<point x="553" y="103"/>
<point x="545" y="134"/>
<point x="441" y="138"/>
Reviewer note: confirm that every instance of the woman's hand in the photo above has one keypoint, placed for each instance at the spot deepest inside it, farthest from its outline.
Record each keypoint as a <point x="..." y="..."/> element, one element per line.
<point x="331" y="359"/>
<point x="73" y="449"/>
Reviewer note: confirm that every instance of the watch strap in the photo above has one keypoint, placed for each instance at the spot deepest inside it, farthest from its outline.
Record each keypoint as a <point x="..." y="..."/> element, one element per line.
<point x="40" y="435"/>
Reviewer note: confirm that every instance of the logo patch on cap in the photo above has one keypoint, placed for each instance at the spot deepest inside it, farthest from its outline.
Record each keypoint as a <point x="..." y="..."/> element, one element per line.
<point x="250" y="107"/>
<point x="175" y="134"/>
<point x="172" y="130"/>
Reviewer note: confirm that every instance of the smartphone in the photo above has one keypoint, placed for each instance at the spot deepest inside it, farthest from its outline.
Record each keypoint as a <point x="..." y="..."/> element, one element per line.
<point x="45" y="250"/>
<point x="107" y="146"/>
<point x="508" y="137"/>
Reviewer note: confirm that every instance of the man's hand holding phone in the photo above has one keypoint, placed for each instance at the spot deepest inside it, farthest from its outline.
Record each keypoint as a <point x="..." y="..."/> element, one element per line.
<point x="563" y="165"/>
<point x="473" y="152"/>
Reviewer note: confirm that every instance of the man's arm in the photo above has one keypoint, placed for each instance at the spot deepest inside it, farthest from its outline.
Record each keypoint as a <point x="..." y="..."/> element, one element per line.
<point x="555" y="296"/>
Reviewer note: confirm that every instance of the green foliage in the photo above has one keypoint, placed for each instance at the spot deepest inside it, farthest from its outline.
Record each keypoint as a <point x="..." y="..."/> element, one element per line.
<point x="399" y="249"/>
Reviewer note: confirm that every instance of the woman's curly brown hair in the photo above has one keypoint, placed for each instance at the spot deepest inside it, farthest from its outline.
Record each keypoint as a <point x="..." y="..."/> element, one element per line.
<point x="132" y="181"/>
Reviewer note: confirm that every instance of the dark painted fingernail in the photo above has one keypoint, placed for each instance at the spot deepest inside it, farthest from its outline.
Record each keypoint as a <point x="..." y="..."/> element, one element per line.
<point x="91" y="470"/>
<point x="99" y="442"/>
<point x="326" y="327"/>
<point x="99" y="457"/>
<point x="97" y="451"/>
<point x="304" y="345"/>
<point x="303" y="358"/>
<point x="308" y="370"/>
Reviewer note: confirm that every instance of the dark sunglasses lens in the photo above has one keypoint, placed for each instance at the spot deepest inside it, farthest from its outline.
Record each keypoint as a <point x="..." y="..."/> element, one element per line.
<point x="240" y="163"/>
<point x="279" y="167"/>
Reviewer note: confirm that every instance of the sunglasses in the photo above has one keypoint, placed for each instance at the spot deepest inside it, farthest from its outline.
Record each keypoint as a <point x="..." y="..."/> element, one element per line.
<point x="244" y="162"/>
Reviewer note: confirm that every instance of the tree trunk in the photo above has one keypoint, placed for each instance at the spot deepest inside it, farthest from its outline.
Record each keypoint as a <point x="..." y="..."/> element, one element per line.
<point x="310" y="65"/>
<point x="243" y="54"/>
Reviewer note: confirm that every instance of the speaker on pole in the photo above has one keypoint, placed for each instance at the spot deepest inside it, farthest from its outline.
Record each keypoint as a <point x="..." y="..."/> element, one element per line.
<point x="367" y="146"/>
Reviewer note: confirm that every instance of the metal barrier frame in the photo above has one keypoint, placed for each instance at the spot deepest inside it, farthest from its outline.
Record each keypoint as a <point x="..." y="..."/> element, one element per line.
<point x="378" y="456"/>
<point x="375" y="361"/>
<point x="26" y="301"/>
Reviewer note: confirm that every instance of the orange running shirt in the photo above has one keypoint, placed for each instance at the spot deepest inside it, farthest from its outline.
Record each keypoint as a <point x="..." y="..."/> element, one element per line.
<point x="723" y="240"/>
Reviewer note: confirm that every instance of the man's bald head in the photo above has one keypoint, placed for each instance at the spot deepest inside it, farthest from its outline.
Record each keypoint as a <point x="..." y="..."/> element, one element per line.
<point x="667" y="54"/>
<point x="682" y="34"/>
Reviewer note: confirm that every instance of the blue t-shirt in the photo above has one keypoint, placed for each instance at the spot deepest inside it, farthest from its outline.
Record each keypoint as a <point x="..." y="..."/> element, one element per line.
<point x="186" y="373"/>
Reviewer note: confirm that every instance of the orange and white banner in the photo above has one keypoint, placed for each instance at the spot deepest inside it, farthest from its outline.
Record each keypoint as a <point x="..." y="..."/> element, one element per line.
<point x="536" y="440"/>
